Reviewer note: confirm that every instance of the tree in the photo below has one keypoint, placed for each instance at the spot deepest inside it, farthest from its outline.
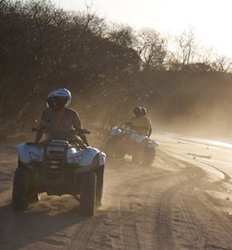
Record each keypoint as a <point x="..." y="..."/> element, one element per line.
<point x="215" y="62"/>
<point x="123" y="36"/>
<point x="222" y="64"/>
<point x="152" y="49"/>
<point x="186" y="48"/>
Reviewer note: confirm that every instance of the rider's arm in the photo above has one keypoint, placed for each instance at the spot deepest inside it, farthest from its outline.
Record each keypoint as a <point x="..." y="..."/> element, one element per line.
<point x="76" y="121"/>
<point x="41" y="128"/>
<point x="38" y="136"/>
<point x="77" y="126"/>
<point x="149" y="128"/>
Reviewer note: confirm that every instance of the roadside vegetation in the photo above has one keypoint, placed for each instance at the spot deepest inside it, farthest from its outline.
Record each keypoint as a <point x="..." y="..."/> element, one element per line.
<point x="110" y="68"/>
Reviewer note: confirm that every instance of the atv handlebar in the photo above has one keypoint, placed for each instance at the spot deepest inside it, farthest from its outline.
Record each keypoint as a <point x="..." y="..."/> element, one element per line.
<point x="83" y="131"/>
<point x="80" y="131"/>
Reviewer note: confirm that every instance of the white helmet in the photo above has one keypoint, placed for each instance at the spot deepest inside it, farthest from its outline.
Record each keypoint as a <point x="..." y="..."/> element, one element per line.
<point x="59" y="97"/>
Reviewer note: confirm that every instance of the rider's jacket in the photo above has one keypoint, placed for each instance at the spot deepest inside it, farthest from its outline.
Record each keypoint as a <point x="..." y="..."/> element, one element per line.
<point x="141" y="124"/>
<point x="55" y="122"/>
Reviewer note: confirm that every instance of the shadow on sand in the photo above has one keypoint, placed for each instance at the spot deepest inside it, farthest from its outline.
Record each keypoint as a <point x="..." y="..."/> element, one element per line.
<point x="43" y="220"/>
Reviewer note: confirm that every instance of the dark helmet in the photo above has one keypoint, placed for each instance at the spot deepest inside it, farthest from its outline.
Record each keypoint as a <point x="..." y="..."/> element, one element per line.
<point x="143" y="111"/>
<point x="140" y="111"/>
<point x="59" y="99"/>
<point x="137" y="111"/>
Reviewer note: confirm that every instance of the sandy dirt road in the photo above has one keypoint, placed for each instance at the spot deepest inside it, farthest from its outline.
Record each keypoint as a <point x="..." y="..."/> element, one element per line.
<point x="184" y="201"/>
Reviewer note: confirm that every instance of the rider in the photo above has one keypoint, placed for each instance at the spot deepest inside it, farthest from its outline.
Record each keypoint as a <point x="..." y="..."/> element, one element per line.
<point x="140" y="122"/>
<point x="57" y="119"/>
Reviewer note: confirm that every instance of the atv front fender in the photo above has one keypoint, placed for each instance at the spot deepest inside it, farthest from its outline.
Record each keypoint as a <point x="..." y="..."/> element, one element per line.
<point x="29" y="152"/>
<point x="85" y="157"/>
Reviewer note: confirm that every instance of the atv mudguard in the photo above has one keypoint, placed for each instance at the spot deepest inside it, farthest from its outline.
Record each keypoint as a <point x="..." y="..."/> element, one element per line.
<point x="28" y="153"/>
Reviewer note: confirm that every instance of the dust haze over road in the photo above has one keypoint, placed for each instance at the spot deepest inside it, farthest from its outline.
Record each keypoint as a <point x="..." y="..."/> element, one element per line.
<point x="184" y="201"/>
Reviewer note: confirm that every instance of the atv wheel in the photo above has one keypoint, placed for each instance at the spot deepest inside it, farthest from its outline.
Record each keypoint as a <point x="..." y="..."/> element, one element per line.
<point x="88" y="194"/>
<point x="100" y="180"/>
<point x="138" y="157"/>
<point x="20" y="195"/>
<point x="113" y="148"/>
<point x="149" y="156"/>
<point x="33" y="197"/>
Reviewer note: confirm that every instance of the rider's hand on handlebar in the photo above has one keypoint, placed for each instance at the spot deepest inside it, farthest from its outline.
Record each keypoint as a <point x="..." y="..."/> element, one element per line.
<point x="84" y="131"/>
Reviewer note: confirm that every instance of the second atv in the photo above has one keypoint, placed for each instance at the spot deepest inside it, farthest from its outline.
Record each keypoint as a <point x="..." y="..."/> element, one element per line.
<point x="125" y="141"/>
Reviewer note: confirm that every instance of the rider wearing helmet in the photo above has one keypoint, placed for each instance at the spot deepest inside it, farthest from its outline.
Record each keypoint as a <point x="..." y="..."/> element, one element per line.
<point x="139" y="122"/>
<point x="57" y="119"/>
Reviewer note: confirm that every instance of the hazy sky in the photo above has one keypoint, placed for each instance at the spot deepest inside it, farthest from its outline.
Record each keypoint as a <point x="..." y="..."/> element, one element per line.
<point x="211" y="20"/>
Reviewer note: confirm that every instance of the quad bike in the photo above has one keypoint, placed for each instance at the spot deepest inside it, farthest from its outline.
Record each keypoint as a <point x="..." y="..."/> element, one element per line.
<point x="58" y="167"/>
<point x="125" y="141"/>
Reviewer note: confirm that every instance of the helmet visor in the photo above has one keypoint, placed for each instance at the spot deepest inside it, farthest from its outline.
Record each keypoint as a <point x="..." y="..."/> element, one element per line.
<point x="57" y="102"/>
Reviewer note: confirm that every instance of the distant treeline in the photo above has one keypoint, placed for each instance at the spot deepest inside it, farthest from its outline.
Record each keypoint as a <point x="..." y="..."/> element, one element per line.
<point x="109" y="67"/>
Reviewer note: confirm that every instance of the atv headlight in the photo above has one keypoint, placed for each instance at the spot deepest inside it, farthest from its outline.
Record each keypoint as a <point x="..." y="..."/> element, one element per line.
<point x="116" y="131"/>
<point x="101" y="159"/>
